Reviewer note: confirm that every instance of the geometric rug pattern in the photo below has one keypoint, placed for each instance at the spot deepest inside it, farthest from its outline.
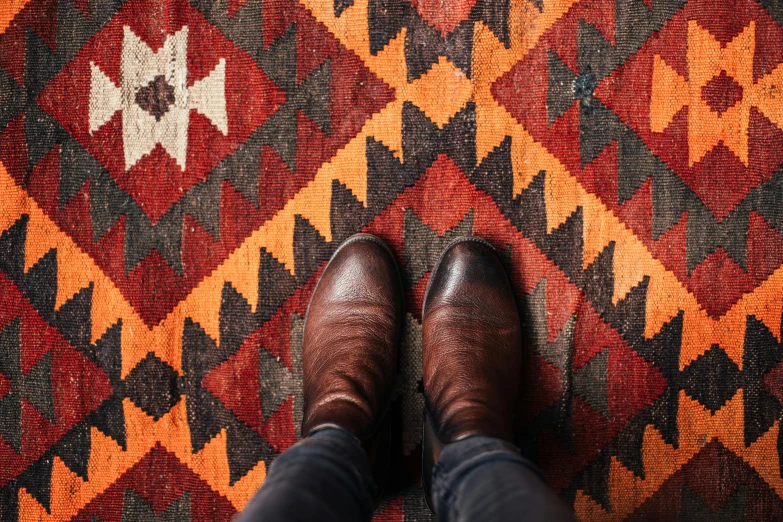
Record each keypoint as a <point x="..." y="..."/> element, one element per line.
<point x="175" y="174"/>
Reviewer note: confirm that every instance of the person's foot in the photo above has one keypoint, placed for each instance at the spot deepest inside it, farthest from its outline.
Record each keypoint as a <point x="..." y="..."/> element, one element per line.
<point x="471" y="348"/>
<point x="352" y="332"/>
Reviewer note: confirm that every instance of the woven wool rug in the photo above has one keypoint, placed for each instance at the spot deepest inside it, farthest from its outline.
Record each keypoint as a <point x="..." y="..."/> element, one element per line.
<point x="174" y="175"/>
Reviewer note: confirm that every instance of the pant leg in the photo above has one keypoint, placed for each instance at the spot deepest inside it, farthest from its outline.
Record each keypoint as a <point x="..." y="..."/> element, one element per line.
<point x="486" y="479"/>
<point x="325" y="477"/>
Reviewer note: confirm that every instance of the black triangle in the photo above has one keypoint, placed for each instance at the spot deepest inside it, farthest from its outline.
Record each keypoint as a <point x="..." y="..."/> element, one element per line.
<point x="41" y="133"/>
<point x="635" y="22"/>
<point x="12" y="245"/>
<point x="670" y="198"/>
<point x="598" y="127"/>
<point x="629" y="315"/>
<point x="458" y="138"/>
<point x="165" y="236"/>
<point x="313" y="96"/>
<point x="106" y="352"/>
<point x="36" y="387"/>
<point x="420" y="138"/>
<point x="310" y="249"/>
<point x="529" y="214"/>
<point x="565" y="246"/>
<point x="346" y="213"/>
<point x="590" y="382"/>
<point x="386" y="176"/>
<point x="457" y="47"/>
<point x="594" y="52"/>
<point x="275" y="285"/>
<point x="41" y="65"/>
<point x="202" y="201"/>
<point x="12" y="98"/>
<point x="627" y="446"/>
<point x="734" y="233"/>
<point x="761" y="353"/>
<point x="37" y="480"/>
<point x="206" y="414"/>
<point x="560" y="87"/>
<point x="74" y="318"/>
<point x="243" y="169"/>
<point x="423" y="46"/>
<point x="74" y="449"/>
<point x="76" y="166"/>
<point x="705" y="234"/>
<point x="280" y="131"/>
<point x="663" y="350"/>
<point x="237" y="320"/>
<point x="245" y="448"/>
<point x="341" y="5"/>
<point x="385" y="19"/>
<point x="421" y="248"/>
<point x="109" y="419"/>
<point x="40" y="285"/>
<point x="598" y="283"/>
<point x="73" y="29"/>
<point x="107" y="203"/>
<point x="9" y="502"/>
<point x="495" y="15"/>
<point x="277" y="59"/>
<point x="495" y="175"/>
<point x="633" y="25"/>
<point x="595" y="479"/>
<point x="635" y="163"/>
<point x="664" y="416"/>
<point x="243" y="28"/>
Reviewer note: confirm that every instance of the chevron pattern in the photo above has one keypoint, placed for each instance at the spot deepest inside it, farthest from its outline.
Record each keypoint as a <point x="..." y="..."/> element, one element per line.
<point x="176" y="173"/>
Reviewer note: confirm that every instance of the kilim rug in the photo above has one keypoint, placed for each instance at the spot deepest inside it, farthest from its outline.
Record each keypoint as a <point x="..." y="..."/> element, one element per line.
<point x="174" y="175"/>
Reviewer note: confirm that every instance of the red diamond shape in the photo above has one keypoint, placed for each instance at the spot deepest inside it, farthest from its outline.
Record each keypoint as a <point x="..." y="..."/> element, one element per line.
<point x="155" y="180"/>
<point x="159" y="479"/>
<point x="721" y="92"/>
<point x="719" y="180"/>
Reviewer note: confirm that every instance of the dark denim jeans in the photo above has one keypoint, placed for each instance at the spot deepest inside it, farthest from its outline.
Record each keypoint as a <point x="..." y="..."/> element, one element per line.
<point x="326" y="477"/>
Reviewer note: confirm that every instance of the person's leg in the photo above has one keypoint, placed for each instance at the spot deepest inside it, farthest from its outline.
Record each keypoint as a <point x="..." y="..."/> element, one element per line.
<point x="472" y="357"/>
<point x="324" y="477"/>
<point x="484" y="478"/>
<point x="349" y="362"/>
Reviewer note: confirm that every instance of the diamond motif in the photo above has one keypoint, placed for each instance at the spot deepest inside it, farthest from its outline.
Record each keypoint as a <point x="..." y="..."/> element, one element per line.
<point x="721" y="93"/>
<point x="156" y="155"/>
<point x="708" y="95"/>
<point x="156" y="97"/>
<point x="712" y="379"/>
<point x="152" y="386"/>
<point x="705" y="85"/>
<point x="159" y="214"/>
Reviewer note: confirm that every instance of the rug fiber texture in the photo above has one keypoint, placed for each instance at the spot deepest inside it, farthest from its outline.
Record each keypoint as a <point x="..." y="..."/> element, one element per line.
<point x="174" y="175"/>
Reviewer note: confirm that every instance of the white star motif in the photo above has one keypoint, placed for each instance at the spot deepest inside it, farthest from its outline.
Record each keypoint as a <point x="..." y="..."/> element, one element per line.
<point x="140" y="65"/>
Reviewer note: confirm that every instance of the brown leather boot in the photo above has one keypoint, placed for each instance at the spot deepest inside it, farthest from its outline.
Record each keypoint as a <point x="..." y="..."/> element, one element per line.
<point x="471" y="348"/>
<point x="352" y="332"/>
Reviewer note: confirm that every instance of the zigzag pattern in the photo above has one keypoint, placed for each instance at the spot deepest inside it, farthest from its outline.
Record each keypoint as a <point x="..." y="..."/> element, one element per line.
<point x="151" y="318"/>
